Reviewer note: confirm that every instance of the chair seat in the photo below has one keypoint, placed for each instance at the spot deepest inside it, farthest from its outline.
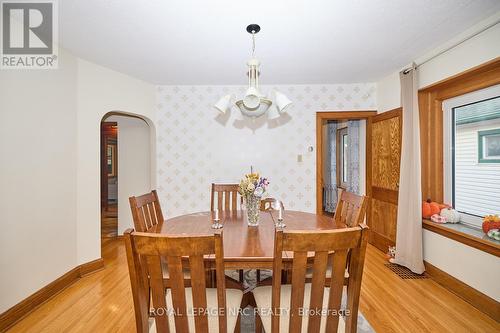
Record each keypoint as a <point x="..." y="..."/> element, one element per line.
<point x="328" y="274"/>
<point x="263" y="300"/>
<point x="233" y="301"/>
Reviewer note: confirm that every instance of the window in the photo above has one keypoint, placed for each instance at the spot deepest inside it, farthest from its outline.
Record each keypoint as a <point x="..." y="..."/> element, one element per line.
<point x="343" y="144"/>
<point x="489" y="146"/>
<point x="472" y="154"/>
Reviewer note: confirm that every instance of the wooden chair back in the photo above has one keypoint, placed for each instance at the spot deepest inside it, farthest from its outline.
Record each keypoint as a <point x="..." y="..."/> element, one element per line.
<point x="227" y="197"/>
<point x="144" y="254"/>
<point x="269" y="204"/>
<point x="351" y="208"/>
<point x="146" y="211"/>
<point x="339" y="241"/>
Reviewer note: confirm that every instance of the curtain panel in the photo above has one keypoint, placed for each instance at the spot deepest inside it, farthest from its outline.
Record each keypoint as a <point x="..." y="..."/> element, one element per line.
<point x="409" y="251"/>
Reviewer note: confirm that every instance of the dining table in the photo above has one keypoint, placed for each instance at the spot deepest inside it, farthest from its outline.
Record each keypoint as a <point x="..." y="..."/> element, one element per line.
<point x="245" y="247"/>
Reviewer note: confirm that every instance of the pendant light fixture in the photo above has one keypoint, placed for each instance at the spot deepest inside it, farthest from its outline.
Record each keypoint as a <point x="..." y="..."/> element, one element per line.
<point x="254" y="103"/>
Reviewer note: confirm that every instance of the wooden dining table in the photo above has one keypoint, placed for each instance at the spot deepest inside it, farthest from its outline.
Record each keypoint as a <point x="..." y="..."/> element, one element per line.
<point x="245" y="247"/>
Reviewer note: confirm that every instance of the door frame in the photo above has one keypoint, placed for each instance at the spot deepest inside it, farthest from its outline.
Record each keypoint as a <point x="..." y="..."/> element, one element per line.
<point x="322" y="117"/>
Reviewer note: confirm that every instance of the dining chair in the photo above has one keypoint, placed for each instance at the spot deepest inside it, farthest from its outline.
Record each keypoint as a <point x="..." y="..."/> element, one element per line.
<point x="146" y="211"/>
<point x="227" y="197"/>
<point x="270" y="204"/>
<point x="227" y="200"/>
<point x="351" y="208"/>
<point x="180" y="309"/>
<point x="312" y="307"/>
<point x="350" y="211"/>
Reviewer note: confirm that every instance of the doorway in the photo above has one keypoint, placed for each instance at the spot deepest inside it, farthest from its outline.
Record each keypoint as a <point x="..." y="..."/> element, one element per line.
<point x="109" y="179"/>
<point x="340" y="156"/>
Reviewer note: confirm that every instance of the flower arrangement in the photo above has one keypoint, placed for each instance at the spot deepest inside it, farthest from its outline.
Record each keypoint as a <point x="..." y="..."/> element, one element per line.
<point x="252" y="188"/>
<point x="253" y="184"/>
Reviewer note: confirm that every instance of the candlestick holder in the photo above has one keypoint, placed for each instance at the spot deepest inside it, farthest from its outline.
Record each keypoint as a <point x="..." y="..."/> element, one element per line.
<point x="280" y="223"/>
<point x="216" y="224"/>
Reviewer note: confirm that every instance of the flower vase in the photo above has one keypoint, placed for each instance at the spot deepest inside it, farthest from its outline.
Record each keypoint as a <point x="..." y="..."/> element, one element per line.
<point x="252" y="204"/>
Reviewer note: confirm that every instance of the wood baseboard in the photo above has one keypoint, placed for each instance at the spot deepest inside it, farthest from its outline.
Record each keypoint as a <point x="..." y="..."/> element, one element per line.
<point x="379" y="241"/>
<point x="91" y="267"/>
<point x="23" y="308"/>
<point x="476" y="298"/>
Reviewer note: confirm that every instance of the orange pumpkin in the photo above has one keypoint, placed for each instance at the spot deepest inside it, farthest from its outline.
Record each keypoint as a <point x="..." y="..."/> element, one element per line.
<point x="435" y="208"/>
<point x="491" y="222"/>
<point x="430" y="208"/>
<point x="487" y="226"/>
<point x="426" y="209"/>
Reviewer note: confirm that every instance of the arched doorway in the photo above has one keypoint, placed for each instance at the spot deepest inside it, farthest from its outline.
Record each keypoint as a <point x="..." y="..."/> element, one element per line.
<point x="127" y="168"/>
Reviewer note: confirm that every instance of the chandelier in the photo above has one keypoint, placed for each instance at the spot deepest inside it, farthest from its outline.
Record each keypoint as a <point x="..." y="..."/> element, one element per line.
<point x="254" y="103"/>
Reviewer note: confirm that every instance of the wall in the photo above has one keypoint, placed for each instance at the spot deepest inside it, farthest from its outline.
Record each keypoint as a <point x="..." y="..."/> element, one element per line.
<point x="134" y="165"/>
<point x="50" y="180"/>
<point x="475" y="51"/>
<point x="438" y="250"/>
<point x="37" y="178"/>
<point x="197" y="146"/>
<point x="100" y="91"/>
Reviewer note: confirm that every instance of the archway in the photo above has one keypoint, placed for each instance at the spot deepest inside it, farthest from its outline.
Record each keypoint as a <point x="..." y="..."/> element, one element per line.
<point x="127" y="168"/>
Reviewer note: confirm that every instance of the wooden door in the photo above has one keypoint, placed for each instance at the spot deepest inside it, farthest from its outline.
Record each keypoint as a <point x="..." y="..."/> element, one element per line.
<point x="383" y="157"/>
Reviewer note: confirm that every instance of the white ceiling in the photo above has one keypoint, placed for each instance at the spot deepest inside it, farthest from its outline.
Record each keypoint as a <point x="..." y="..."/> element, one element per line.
<point x="315" y="41"/>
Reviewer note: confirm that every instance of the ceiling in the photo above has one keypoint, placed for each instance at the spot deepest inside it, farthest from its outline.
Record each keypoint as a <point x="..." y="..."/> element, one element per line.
<point x="301" y="42"/>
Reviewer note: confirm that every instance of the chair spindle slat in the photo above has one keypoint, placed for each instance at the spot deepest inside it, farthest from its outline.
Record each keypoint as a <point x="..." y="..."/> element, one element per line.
<point x="336" y="288"/>
<point x="178" y="293"/>
<point x="298" y="284"/>
<point x="317" y="289"/>
<point x="158" y="292"/>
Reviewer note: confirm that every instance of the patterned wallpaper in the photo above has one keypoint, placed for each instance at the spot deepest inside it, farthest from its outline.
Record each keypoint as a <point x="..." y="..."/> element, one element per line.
<point x="196" y="145"/>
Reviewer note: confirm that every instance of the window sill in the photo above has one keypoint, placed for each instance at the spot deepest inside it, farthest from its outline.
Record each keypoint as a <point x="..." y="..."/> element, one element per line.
<point x="465" y="235"/>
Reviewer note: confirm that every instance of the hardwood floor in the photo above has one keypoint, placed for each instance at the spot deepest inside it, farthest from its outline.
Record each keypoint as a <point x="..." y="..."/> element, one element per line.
<point x="109" y="222"/>
<point x="102" y="302"/>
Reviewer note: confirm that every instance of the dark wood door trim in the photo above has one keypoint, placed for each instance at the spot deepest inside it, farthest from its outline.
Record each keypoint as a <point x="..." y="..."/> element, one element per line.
<point x="321" y="118"/>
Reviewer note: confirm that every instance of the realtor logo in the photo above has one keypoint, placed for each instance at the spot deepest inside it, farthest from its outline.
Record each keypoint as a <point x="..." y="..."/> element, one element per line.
<point x="29" y="35"/>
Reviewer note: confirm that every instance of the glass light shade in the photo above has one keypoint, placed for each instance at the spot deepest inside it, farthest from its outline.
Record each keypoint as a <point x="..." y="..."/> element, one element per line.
<point x="273" y="113"/>
<point x="251" y="99"/>
<point x="282" y="102"/>
<point x="255" y="112"/>
<point x="223" y="104"/>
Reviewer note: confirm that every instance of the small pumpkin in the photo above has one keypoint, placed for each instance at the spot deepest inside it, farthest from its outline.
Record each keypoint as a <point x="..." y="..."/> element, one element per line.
<point x="435" y="208"/>
<point x="451" y="215"/>
<point x="426" y="209"/>
<point x="491" y="222"/>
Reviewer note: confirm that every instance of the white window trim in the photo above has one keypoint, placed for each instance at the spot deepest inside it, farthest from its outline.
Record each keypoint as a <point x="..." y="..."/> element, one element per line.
<point x="448" y="106"/>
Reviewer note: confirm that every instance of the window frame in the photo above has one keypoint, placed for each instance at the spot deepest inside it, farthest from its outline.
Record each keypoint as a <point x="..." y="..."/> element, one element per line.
<point x="448" y="108"/>
<point x="480" y="146"/>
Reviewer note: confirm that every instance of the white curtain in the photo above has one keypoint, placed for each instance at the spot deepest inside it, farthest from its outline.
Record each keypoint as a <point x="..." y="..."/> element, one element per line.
<point x="330" y="186"/>
<point x="409" y="252"/>
<point x="353" y="156"/>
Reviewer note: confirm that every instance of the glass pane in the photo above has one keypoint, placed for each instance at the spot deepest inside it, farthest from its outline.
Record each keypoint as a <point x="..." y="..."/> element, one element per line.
<point x="492" y="146"/>
<point x="476" y="144"/>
